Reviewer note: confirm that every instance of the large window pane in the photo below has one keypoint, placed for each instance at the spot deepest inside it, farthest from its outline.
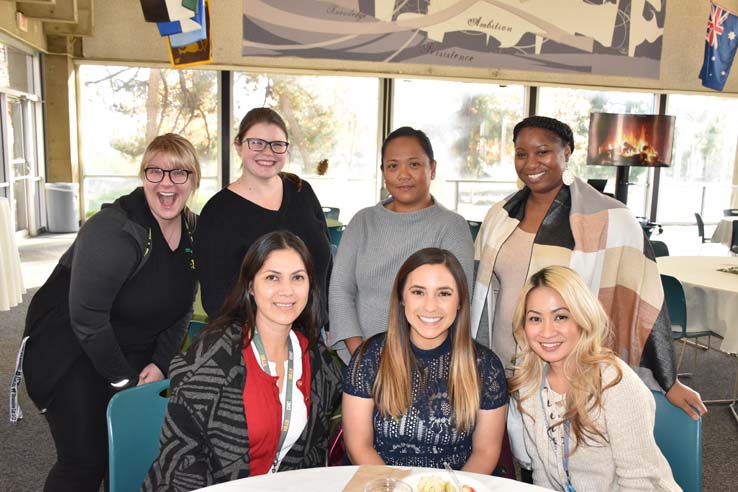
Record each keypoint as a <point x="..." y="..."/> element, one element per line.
<point x="328" y="118"/>
<point x="123" y="109"/>
<point x="701" y="174"/>
<point x="573" y="107"/>
<point x="470" y="127"/>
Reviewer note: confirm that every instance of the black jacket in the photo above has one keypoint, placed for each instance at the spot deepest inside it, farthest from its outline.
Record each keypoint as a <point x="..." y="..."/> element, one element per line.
<point x="204" y="439"/>
<point x="70" y="314"/>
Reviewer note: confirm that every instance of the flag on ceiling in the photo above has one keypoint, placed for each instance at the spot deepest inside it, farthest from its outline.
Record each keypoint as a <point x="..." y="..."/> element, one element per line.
<point x="196" y="53"/>
<point x="185" y="38"/>
<point x="165" y="11"/>
<point x="721" y="41"/>
<point x="193" y="5"/>
<point x="192" y="25"/>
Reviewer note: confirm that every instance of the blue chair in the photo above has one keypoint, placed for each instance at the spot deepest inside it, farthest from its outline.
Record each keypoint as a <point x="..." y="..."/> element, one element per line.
<point x="195" y="328"/>
<point x="135" y="417"/>
<point x="331" y="212"/>
<point x="335" y="234"/>
<point x="680" y="440"/>
<point x="659" y="248"/>
<point x="474" y="228"/>
<point x="676" y="304"/>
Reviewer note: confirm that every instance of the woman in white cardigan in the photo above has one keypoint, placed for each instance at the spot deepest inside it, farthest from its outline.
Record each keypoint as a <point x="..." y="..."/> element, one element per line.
<point x="588" y="417"/>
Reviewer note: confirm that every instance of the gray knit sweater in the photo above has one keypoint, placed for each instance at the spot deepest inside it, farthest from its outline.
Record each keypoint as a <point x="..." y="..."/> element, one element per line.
<point x="375" y="244"/>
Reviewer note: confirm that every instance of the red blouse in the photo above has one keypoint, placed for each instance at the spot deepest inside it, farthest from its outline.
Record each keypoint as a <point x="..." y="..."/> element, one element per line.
<point x="263" y="408"/>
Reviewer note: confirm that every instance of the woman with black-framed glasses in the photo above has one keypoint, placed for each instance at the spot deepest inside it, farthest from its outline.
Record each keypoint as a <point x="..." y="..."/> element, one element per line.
<point x="114" y="312"/>
<point x="263" y="199"/>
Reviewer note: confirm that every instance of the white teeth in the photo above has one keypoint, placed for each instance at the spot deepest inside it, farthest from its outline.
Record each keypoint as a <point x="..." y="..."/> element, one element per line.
<point x="425" y="319"/>
<point x="535" y="176"/>
<point x="171" y="193"/>
<point x="551" y="345"/>
<point x="282" y="305"/>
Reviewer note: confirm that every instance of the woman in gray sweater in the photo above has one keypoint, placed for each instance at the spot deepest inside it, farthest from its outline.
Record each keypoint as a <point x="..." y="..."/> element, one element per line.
<point x="380" y="238"/>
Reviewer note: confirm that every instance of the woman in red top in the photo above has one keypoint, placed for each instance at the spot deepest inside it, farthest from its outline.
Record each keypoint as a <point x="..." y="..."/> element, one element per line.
<point x="255" y="391"/>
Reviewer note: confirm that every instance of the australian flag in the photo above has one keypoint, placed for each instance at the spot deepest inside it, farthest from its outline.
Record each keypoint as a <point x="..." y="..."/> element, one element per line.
<point x="721" y="42"/>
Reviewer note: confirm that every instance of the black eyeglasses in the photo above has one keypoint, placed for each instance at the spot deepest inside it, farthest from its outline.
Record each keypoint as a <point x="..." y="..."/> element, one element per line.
<point x="156" y="175"/>
<point x="257" y="145"/>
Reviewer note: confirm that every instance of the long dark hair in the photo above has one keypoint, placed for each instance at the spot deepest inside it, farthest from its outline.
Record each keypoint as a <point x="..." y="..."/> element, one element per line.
<point x="392" y="386"/>
<point x="240" y="308"/>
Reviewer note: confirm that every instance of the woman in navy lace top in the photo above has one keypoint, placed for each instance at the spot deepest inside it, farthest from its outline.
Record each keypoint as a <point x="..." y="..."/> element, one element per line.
<point x="424" y="393"/>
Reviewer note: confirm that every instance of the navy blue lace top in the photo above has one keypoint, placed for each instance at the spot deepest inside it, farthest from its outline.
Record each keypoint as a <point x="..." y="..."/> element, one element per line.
<point x="425" y="435"/>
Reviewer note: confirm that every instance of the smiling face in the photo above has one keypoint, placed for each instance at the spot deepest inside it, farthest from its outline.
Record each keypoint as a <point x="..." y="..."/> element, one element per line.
<point x="550" y="328"/>
<point x="407" y="172"/>
<point x="431" y="301"/>
<point x="280" y="290"/>
<point x="540" y="159"/>
<point x="263" y="164"/>
<point x="166" y="199"/>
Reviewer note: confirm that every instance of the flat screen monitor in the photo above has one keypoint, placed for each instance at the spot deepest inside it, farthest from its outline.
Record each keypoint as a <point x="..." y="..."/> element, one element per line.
<point x="630" y="139"/>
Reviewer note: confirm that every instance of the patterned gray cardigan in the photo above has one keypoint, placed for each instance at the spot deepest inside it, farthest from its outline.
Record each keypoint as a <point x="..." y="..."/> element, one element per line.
<point x="204" y="439"/>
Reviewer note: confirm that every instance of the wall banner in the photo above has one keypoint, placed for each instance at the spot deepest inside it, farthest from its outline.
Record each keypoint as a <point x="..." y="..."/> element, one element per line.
<point x="605" y="37"/>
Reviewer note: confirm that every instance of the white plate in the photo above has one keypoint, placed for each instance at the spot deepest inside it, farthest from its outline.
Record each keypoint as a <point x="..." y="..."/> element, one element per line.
<point x="413" y="480"/>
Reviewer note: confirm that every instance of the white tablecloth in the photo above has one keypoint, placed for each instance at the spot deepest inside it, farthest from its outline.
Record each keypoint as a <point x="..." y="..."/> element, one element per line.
<point x="333" y="479"/>
<point x="11" y="280"/>
<point x="712" y="296"/>
<point x="724" y="231"/>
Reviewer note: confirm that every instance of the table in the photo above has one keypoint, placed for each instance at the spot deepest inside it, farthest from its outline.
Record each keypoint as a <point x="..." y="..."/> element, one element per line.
<point x="333" y="479"/>
<point x="11" y="279"/>
<point x="724" y="231"/>
<point x="712" y="296"/>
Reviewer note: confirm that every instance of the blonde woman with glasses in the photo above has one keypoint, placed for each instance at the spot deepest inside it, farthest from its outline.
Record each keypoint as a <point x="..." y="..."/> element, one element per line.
<point x="588" y="418"/>
<point x="114" y="311"/>
<point x="425" y="394"/>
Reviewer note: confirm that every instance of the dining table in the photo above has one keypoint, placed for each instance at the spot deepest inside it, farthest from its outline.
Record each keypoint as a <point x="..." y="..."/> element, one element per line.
<point x="354" y="478"/>
<point x="711" y="294"/>
<point x="724" y="231"/>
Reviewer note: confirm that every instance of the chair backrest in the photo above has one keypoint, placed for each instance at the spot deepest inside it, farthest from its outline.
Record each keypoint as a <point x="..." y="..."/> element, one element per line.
<point x="335" y="234"/>
<point x="659" y="248"/>
<point x="474" y="228"/>
<point x="734" y="237"/>
<point x="331" y="212"/>
<point x="676" y="302"/>
<point x="135" y="417"/>
<point x="195" y="328"/>
<point x="680" y="440"/>
<point x="700" y="226"/>
<point x="598" y="184"/>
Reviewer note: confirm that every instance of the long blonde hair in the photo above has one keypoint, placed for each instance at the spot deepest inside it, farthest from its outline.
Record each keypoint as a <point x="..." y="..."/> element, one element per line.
<point x="583" y="364"/>
<point x="393" y="385"/>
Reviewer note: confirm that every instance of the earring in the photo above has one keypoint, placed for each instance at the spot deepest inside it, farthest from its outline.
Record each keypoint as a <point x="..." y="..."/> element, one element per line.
<point x="567" y="176"/>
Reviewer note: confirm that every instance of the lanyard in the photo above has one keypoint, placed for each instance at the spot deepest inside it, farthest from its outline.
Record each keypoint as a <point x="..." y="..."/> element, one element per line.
<point x="288" y="390"/>
<point x="568" y="487"/>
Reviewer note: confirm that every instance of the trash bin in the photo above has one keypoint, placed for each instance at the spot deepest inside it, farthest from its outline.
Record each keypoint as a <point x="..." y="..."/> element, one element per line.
<point x="62" y="207"/>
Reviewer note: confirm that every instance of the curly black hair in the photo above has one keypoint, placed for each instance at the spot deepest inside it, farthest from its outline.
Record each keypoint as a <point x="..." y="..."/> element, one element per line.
<point x="559" y="128"/>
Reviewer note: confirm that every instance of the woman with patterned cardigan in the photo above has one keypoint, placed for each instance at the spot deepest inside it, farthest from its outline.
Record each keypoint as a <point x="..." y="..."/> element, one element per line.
<point x="557" y="219"/>
<point x="255" y="391"/>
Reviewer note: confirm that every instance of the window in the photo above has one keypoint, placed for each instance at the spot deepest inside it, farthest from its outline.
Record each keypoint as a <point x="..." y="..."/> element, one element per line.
<point x="573" y="107"/>
<point x="700" y="177"/>
<point x="470" y="127"/>
<point x="328" y="118"/>
<point x="124" y="108"/>
<point x="21" y="149"/>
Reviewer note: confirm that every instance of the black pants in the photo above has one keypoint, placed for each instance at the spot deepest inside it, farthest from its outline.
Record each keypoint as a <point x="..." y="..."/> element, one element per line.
<point x="76" y="417"/>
